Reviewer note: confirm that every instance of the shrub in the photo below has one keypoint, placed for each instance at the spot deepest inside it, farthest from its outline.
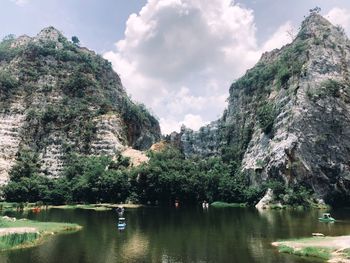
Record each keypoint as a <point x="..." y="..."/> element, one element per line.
<point x="285" y="249"/>
<point x="75" y="40"/>
<point x="326" y="88"/>
<point x="7" y="82"/>
<point x="266" y="115"/>
<point x="136" y="113"/>
<point x="78" y="84"/>
<point x="318" y="252"/>
<point x="283" y="76"/>
<point x="7" y="52"/>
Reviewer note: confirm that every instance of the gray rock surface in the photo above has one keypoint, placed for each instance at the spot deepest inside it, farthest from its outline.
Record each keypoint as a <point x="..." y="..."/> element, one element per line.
<point x="308" y="141"/>
<point x="57" y="98"/>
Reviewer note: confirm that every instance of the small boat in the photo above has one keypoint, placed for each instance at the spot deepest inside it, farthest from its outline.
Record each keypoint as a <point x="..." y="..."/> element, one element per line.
<point x="121" y="223"/>
<point x="326" y="217"/>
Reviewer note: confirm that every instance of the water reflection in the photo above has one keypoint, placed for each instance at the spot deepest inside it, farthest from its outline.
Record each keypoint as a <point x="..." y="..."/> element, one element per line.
<point x="177" y="235"/>
<point x="135" y="248"/>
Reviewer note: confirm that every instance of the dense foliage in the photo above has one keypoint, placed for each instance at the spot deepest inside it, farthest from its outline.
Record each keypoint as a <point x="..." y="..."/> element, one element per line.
<point x="7" y="53"/>
<point x="275" y="73"/>
<point x="296" y="195"/>
<point x="166" y="177"/>
<point x="88" y="92"/>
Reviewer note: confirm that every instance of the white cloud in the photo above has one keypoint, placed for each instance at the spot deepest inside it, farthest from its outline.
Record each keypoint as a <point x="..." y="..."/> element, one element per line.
<point x="179" y="57"/>
<point x="339" y="16"/>
<point x="283" y="35"/>
<point x="192" y="121"/>
<point x="20" y="2"/>
<point x="168" y="125"/>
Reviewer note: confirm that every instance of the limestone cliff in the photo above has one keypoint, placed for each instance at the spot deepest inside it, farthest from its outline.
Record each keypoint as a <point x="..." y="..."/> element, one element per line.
<point x="288" y="118"/>
<point x="57" y="98"/>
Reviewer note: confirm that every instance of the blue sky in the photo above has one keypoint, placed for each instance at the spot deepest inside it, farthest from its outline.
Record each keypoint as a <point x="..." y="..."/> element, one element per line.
<point x="178" y="57"/>
<point x="98" y="24"/>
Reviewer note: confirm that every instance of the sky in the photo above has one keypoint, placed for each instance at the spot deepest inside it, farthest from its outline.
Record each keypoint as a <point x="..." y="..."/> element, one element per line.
<point x="178" y="57"/>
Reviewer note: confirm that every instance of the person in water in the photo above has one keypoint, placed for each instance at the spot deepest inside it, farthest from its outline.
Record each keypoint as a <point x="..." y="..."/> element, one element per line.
<point x="120" y="210"/>
<point x="205" y="204"/>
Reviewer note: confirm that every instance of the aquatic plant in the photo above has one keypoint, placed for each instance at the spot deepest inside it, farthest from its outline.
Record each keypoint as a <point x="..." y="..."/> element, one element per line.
<point x="224" y="204"/>
<point x="17" y="239"/>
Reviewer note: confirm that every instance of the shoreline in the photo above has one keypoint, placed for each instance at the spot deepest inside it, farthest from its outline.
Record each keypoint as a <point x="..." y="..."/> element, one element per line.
<point x="330" y="248"/>
<point x="39" y="207"/>
<point x="96" y="207"/>
<point x="23" y="233"/>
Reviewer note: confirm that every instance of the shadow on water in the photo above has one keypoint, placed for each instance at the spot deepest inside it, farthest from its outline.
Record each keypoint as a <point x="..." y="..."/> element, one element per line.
<point x="177" y="235"/>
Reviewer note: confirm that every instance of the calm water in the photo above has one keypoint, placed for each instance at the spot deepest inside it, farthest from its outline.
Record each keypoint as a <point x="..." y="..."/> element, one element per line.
<point x="183" y="235"/>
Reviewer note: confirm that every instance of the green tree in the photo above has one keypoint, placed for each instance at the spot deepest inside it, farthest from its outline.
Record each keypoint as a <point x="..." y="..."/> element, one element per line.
<point x="27" y="165"/>
<point x="75" y="40"/>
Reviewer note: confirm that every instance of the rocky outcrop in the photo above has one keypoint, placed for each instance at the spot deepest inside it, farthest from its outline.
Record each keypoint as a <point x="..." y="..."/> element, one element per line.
<point x="57" y="98"/>
<point x="205" y="142"/>
<point x="267" y="200"/>
<point x="110" y="136"/>
<point x="10" y="125"/>
<point x="288" y="118"/>
<point x="136" y="157"/>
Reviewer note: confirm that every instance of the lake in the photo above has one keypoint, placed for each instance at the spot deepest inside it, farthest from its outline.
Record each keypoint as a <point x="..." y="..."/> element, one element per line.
<point x="176" y="235"/>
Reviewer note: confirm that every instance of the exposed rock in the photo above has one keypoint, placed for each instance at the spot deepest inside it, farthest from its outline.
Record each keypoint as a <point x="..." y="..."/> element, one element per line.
<point x="267" y="200"/>
<point x="136" y="157"/>
<point x="159" y="146"/>
<point x="10" y="125"/>
<point x="205" y="142"/>
<point x="49" y="34"/>
<point x="57" y="98"/>
<point x="52" y="159"/>
<point x="110" y="136"/>
<point x="288" y="118"/>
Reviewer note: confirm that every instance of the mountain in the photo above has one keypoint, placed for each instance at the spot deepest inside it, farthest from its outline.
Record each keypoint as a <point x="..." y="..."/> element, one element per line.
<point x="57" y="98"/>
<point x="288" y="118"/>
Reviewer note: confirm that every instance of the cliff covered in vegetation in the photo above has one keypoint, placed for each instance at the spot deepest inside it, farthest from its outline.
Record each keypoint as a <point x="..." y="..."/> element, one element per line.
<point x="288" y="118"/>
<point x="59" y="99"/>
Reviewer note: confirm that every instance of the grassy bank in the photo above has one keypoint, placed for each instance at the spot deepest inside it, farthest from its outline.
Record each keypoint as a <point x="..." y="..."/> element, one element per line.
<point x="96" y="207"/>
<point x="7" y="206"/>
<point x="318" y="252"/>
<point x="333" y="249"/>
<point x="224" y="204"/>
<point x="85" y="207"/>
<point x="27" y="233"/>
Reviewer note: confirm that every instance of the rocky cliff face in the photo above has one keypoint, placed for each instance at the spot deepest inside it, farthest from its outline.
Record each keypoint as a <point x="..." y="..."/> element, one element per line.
<point x="57" y="98"/>
<point x="288" y="117"/>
